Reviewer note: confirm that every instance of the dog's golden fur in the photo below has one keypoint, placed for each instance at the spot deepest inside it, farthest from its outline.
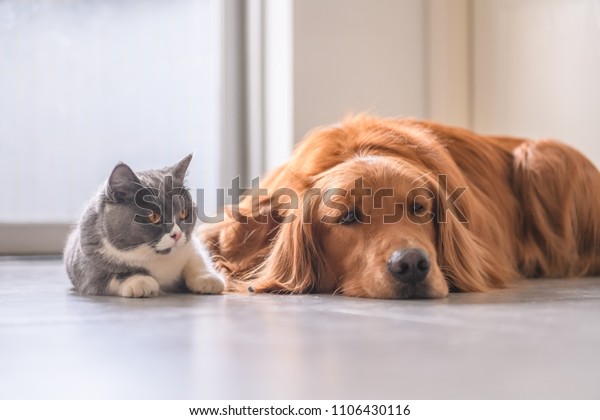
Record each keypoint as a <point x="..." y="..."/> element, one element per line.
<point x="520" y="209"/>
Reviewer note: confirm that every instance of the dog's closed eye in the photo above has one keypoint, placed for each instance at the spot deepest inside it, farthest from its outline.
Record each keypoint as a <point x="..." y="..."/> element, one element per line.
<point x="349" y="218"/>
<point x="418" y="209"/>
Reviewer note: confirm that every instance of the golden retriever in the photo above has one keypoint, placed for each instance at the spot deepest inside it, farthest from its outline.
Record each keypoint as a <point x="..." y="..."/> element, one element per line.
<point x="401" y="208"/>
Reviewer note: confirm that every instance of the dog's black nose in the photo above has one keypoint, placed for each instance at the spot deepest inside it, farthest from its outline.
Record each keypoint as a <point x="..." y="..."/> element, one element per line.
<point x="409" y="265"/>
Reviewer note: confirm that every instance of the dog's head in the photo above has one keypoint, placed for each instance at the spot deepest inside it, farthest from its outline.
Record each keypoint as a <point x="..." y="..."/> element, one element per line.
<point x="390" y="220"/>
<point x="375" y="222"/>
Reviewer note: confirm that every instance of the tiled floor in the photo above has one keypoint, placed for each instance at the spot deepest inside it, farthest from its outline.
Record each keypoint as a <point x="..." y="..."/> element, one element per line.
<point x="540" y="341"/>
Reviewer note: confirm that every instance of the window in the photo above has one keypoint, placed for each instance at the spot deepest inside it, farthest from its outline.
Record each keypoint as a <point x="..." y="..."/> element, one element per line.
<point x="86" y="84"/>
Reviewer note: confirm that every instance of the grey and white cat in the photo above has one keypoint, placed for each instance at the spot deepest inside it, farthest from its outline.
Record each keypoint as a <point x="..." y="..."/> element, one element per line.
<point x="136" y="238"/>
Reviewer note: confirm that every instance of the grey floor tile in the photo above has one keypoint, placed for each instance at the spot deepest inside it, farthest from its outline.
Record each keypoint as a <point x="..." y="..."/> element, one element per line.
<point x="539" y="340"/>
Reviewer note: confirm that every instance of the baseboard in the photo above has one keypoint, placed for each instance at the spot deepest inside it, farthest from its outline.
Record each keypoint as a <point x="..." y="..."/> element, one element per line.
<point x="33" y="239"/>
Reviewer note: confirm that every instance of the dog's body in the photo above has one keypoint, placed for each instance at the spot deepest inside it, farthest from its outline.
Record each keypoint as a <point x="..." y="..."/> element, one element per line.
<point x="455" y="211"/>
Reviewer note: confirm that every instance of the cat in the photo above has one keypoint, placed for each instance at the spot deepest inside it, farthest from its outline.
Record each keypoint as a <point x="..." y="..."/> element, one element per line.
<point x="136" y="238"/>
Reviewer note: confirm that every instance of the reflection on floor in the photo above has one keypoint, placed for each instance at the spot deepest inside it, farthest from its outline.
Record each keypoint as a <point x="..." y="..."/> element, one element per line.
<point x="538" y="341"/>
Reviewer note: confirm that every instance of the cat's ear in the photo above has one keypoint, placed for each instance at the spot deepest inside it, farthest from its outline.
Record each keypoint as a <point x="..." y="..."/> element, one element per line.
<point x="122" y="183"/>
<point x="181" y="168"/>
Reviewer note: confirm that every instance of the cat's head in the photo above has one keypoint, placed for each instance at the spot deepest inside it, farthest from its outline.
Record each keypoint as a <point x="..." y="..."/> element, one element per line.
<point x="150" y="209"/>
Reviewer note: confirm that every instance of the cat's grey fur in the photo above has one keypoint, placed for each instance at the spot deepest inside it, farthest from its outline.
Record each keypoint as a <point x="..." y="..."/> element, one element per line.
<point x="116" y="250"/>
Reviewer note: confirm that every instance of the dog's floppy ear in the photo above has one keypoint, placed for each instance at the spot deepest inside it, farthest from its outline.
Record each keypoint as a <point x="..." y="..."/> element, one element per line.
<point x="241" y="242"/>
<point x="295" y="263"/>
<point x="468" y="264"/>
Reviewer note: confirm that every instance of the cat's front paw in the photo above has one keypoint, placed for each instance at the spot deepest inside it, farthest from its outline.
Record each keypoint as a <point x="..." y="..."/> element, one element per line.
<point x="208" y="283"/>
<point x="139" y="286"/>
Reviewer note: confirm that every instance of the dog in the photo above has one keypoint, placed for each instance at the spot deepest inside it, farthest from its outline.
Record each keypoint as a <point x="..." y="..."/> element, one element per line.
<point x="403" y="208"/>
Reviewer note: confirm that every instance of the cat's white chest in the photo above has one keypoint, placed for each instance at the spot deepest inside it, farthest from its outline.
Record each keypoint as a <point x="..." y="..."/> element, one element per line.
<point x="166" y="269"/>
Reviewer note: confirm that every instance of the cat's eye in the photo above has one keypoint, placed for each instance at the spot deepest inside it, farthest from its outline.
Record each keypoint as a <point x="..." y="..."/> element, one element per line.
<point x="154" y="218"/>
<point x="183" y="214"/>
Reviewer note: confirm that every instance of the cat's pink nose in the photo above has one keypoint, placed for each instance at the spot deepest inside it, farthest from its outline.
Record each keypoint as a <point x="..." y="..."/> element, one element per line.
<point x="176" y="236"/>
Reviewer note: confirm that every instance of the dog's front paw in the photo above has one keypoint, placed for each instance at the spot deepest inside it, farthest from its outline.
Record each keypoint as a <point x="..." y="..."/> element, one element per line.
<point x="139" y="286"/>
<point x="208" y="283"/>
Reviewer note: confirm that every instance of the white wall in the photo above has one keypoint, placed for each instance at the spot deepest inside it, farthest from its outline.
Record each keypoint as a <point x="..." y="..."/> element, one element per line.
<point x="448" y="61"/>
<point x="356" y="55"/>
<point x="519" y="67"/>
<point x="536" y="67"/>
